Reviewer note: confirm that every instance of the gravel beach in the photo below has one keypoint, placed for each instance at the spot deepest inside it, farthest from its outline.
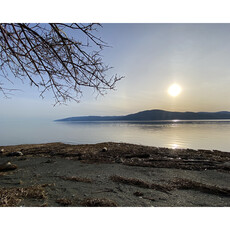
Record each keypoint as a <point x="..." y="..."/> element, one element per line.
<point x="112" y="175"/>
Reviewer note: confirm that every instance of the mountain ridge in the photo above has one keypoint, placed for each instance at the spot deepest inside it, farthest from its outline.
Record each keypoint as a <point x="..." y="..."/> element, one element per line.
<point x="155" y="114"/>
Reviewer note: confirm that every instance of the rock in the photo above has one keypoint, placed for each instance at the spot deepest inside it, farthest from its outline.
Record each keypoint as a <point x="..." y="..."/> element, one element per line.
<point x="104" y="149"/>
<point x="7" y="167"/>
<point x="13" y="154"/>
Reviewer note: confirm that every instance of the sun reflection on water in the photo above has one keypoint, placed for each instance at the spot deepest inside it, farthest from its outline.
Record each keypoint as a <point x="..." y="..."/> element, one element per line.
<point x="174" y="146"/>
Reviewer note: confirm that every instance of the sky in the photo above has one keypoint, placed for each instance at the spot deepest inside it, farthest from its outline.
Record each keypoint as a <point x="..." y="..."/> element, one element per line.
<point x="151" y="57"/>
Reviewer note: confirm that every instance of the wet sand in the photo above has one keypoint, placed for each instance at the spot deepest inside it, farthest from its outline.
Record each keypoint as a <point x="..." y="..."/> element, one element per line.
<point x="113" y="174"/>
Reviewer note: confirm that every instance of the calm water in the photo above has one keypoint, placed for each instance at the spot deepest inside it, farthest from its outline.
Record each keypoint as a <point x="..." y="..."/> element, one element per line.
<point x="213" y="134"/>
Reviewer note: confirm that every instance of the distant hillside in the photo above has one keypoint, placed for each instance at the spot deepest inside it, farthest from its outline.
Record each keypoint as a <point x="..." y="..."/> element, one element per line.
<point x="149" y="115"/>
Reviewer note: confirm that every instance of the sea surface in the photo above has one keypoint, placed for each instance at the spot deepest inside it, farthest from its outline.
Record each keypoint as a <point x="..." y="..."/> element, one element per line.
<point x="199" y="134"/>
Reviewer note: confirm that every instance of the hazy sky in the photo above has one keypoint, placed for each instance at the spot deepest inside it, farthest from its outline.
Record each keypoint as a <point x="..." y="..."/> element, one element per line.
<point x="151" y="57"/>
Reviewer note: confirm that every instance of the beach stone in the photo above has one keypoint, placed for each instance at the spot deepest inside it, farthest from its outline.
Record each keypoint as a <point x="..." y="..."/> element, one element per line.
<point x="104" y="149"/>
<point x="17" y="154"/>
<point x="2" y="152"/>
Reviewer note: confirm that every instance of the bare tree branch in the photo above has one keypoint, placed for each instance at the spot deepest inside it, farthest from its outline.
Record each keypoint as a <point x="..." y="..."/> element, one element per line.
<point x="52" y="60"/>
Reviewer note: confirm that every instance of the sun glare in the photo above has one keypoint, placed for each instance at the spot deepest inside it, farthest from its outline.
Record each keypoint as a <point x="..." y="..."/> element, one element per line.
<point x="174" y="90"/>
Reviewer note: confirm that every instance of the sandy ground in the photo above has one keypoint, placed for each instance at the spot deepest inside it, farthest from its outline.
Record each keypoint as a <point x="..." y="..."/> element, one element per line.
<point x="122" y="175"/>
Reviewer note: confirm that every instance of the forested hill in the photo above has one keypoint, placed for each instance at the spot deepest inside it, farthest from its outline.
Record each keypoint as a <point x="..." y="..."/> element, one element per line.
<point x="155" y="115"/>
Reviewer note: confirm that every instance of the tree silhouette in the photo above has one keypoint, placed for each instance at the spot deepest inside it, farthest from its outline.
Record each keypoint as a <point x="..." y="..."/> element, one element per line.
<point x="52" y="60"/>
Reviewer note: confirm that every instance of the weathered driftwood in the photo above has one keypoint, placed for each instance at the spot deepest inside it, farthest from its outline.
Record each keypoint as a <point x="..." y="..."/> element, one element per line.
<point x="7" y="167"/>
<point x="15" y="154"/>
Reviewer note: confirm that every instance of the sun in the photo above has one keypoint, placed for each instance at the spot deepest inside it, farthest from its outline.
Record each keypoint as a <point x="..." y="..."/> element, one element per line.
<point x="174" y="90"/>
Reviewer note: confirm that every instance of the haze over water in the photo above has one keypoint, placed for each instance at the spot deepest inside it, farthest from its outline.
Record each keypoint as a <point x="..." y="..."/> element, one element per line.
<point x="203" y="134"/>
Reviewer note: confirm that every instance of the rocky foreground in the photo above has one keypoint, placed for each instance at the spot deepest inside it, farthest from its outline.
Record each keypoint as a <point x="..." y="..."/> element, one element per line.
<point x="112" y="174"/>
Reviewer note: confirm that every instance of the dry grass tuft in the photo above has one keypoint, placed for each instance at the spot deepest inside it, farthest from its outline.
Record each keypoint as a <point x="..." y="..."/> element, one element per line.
<point x="96" y="202"/>
<point x="11" y="197"/>
<point x="130" y="181"/>
<point x="177" y="183"/>
<point x="77" y="179"/>
<point x="139" y="183"/>
<point x="64" y="202"/>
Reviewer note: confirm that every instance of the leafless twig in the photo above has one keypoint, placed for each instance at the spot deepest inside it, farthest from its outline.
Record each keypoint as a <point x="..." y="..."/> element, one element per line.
<point x="52" y="60"/>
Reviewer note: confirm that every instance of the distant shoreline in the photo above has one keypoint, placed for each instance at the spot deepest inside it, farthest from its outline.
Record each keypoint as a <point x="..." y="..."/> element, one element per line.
<point x="151" y="115"/>
<point x="151" y="121"/>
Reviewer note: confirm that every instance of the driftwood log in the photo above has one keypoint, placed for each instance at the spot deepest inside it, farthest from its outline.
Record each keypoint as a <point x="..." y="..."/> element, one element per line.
<point x="7" y="167"/>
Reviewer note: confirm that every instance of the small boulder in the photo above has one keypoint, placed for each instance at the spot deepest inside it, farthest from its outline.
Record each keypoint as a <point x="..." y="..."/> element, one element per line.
<point x="15" y="154"/>
<point x="104" y="149"/>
